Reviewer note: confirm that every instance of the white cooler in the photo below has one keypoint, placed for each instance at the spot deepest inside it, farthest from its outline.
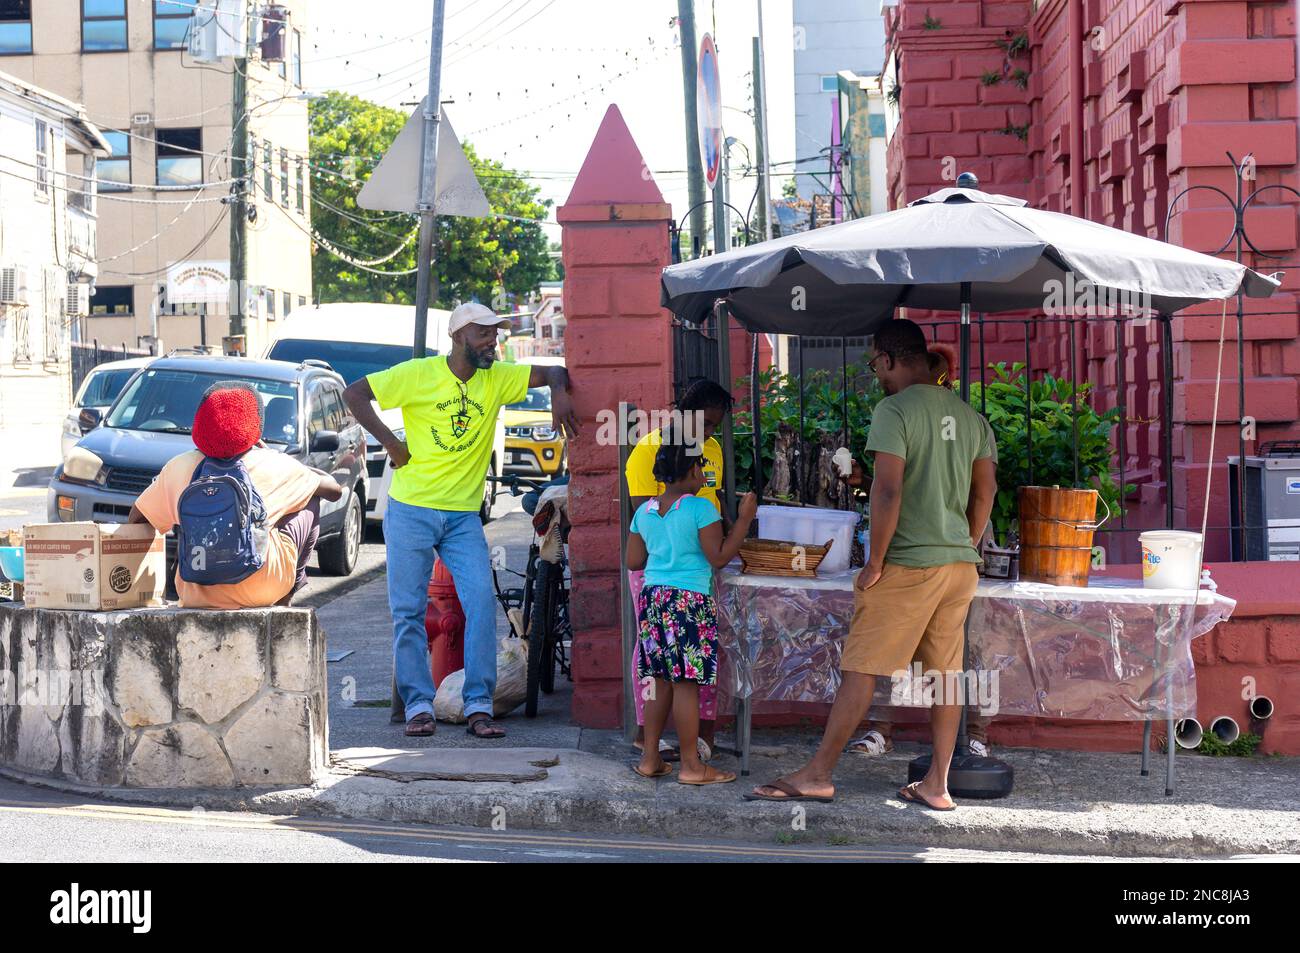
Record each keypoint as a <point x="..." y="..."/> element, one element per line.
<point x="811" y="525"/>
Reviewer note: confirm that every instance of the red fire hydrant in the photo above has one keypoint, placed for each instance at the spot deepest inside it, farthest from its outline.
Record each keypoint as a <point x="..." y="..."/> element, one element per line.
<point x="444" y="624"/>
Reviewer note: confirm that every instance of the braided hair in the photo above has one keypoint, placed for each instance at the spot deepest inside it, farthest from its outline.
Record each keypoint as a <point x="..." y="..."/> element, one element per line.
<point x="676" y="457"/>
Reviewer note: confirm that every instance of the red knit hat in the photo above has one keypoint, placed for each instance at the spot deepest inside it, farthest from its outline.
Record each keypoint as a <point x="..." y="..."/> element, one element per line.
<point x="228" y="422"/>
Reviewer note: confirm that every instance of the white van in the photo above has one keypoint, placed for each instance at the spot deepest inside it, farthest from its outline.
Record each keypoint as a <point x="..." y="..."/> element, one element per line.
<point x="357" y="339"/>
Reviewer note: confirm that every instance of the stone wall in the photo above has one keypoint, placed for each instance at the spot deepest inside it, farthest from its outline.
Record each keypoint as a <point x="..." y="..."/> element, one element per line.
<point x="163" y="697"/>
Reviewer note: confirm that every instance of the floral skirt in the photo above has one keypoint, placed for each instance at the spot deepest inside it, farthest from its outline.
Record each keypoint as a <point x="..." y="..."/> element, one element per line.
<point x="678" y="635"/>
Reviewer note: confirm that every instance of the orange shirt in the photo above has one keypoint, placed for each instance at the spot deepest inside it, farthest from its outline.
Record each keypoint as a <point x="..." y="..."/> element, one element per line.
<point x="286" y="486"/>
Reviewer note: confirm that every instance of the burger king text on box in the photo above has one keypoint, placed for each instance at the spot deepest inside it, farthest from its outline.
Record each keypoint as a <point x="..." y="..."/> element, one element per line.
<point x="95" y="566"/>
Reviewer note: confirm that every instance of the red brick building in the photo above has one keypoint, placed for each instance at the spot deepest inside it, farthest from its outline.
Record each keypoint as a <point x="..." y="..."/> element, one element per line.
<point x="1109" y="110"/>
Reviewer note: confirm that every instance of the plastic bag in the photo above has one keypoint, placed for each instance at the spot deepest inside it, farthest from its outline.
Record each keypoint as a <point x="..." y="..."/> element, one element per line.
<point x="511" y="690"/>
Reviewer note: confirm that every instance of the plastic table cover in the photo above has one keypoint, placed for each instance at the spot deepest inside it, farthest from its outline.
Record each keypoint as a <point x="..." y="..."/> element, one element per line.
<point x="1111" y="651"/>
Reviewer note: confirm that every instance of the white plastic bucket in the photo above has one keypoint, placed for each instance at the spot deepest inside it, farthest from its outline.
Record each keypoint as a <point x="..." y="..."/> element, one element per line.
<point x="1170" y="559"/>
<point x="814" y="526"/>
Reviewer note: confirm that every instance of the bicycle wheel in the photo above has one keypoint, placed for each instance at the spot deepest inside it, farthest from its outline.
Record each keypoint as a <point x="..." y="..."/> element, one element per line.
<point x="559" y="614"/>
<point x="541" y="628"/>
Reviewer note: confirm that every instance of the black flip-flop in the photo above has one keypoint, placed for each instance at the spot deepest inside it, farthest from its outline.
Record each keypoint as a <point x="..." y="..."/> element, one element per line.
<point x="421" y="726"/>
<point x="479" y="719"/>
<point x="788" y="793"/>
<point x="908" y="794"/>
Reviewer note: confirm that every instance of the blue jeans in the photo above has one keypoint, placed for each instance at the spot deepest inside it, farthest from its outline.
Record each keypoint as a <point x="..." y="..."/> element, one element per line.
<point x="411" y="535"/>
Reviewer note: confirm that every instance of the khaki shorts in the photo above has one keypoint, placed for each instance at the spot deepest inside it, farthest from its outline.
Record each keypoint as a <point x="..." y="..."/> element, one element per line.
<point x="910" y="614"/>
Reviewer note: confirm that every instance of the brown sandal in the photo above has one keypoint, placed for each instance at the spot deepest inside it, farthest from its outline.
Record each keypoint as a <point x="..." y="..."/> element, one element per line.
<point x="421" y="726"/>
<point x="482" y="726"/>
<point x="910" y="793"/>
<point x="788" y="793"/>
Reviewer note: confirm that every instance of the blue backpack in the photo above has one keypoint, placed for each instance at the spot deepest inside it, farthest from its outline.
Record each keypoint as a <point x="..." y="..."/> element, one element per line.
<point x="222" y="533"/>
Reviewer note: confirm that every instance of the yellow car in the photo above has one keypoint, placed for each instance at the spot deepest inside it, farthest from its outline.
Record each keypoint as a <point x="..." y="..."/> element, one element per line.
<point x="533" y="445"/>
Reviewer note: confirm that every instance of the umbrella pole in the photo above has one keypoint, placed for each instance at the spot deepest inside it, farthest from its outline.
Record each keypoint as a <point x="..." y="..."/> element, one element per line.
<point x="963" y="742"/>
<point x="969" y="775"/>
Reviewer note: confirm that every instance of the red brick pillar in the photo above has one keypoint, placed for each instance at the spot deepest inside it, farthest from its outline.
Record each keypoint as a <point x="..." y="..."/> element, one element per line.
<point x="618" y="347"/>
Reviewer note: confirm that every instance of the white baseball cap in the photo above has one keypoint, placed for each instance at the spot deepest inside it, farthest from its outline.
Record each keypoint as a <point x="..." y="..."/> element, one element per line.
<point x="474" y="313"/>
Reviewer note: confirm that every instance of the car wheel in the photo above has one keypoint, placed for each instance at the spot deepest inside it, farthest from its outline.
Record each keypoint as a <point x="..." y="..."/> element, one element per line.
<point x="338" y="557"/>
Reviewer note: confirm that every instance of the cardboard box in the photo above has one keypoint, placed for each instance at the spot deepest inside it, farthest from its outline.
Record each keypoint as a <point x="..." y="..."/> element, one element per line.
<point x="93" y="566"/>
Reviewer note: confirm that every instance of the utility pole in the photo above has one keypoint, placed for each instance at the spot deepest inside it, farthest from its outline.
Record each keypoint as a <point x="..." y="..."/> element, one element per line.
<point x="694" y="167"/>
<point x="760" y="116"/>
<point x="239" y="194"/>
<point x="428" y="182"/>
<point x="760" y="144"/>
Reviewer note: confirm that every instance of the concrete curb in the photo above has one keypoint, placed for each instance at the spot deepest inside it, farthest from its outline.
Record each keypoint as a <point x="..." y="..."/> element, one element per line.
<point x="597" y="795"/>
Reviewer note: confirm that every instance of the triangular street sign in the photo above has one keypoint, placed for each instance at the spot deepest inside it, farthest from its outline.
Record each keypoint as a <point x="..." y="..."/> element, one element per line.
<point x="394" y="186"/>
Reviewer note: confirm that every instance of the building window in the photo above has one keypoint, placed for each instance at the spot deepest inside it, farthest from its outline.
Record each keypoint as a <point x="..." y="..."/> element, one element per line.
<point x="284" y="177"/>
<point x="830" y="84"/>
<point x="288" y="303"/>
<point x="300" y="187"/>
<point x="269" y="297"/>
<point x="296" y="51"/>
<point x="302" y="301"/>
<point x="103" y="25"/>
<point x="15" y="27"/>
<point x="114" y="173"/>
<point x="180" y="156"/>
<point x="42" y="157"/>
<point x="112" y="301"/>
<point x="171" y="24"/>
<point x="268" y="178"/>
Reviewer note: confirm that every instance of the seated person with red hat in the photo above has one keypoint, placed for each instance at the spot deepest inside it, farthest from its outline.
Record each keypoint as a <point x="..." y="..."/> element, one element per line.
<point x="228" y="427"/>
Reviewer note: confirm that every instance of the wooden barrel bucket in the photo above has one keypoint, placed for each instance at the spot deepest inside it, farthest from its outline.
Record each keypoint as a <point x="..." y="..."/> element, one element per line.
<point x="1056" y="527"/>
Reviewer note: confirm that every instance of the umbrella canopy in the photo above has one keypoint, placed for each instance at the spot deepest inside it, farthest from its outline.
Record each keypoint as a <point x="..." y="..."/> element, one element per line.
<point x="847" y="279"/>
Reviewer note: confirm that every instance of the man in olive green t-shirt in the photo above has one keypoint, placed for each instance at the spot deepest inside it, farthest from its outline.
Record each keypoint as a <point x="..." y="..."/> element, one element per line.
<point x="930" y="499"/>
<point x="449" y="414"/>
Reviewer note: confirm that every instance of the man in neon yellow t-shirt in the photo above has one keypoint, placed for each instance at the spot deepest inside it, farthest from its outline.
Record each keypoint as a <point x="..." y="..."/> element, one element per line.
<point x="449" y="411"/>
<point x="708" y="404"/>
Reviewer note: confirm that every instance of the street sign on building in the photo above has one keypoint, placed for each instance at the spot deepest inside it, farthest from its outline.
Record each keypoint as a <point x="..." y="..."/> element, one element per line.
<point x="708" y="110"/>
<point x="198" y="282"/>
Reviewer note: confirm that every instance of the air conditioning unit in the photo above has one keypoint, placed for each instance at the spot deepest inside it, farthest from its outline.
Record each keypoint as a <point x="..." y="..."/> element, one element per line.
<point x="204" y="33"/>
<point x="13" y="284"/>
<point x="77" y="300"/>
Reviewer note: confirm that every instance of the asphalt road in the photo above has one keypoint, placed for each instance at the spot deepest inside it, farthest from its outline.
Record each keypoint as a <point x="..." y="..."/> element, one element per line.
<point x="38" y="825"/>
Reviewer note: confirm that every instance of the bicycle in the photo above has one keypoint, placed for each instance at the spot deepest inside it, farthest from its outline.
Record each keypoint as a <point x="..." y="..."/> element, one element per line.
<point x="541" y="603"/>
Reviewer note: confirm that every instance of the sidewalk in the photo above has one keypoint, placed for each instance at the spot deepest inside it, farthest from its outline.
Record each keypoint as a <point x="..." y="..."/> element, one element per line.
<point x="550" y="775"/>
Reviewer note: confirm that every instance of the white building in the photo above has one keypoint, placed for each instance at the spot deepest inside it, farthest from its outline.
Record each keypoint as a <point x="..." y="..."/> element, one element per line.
<point x="48" y="149"/>
<point x="829" y="36"/>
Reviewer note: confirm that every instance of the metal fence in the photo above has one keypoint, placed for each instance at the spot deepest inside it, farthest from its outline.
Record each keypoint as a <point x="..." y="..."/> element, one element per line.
<point x="85" y="357"/>
<point x="696" y="354"/>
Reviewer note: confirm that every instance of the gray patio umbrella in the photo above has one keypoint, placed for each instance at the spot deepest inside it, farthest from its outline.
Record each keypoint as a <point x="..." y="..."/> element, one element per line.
<point x="956" y="249"/>
<point x="847" y="279"/>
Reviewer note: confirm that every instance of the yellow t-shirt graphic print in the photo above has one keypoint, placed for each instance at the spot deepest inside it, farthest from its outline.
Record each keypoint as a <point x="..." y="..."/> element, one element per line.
<point x="450" y="427"/>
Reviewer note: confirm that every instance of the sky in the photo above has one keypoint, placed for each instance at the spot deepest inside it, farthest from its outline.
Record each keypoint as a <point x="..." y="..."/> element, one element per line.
<point x="529" y="80"/>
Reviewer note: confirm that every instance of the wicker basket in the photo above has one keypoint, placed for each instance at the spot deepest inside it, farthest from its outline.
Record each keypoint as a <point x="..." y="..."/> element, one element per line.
<point x="775" y="557"/>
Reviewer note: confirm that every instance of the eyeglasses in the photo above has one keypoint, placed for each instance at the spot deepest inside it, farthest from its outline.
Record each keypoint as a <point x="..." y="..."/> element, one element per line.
<point x="872" y="363"/>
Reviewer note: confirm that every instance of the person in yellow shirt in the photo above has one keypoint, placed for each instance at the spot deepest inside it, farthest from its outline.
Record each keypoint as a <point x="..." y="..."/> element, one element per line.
<point x="449" y="412"/>
<point x="708" y="404"/>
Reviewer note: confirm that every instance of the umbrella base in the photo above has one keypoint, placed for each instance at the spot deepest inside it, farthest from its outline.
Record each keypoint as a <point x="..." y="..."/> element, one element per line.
<point x="969" y="776"/>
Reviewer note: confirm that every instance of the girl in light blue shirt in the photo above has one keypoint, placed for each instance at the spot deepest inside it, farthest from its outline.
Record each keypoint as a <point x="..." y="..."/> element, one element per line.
<point x="677" y="539"/>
